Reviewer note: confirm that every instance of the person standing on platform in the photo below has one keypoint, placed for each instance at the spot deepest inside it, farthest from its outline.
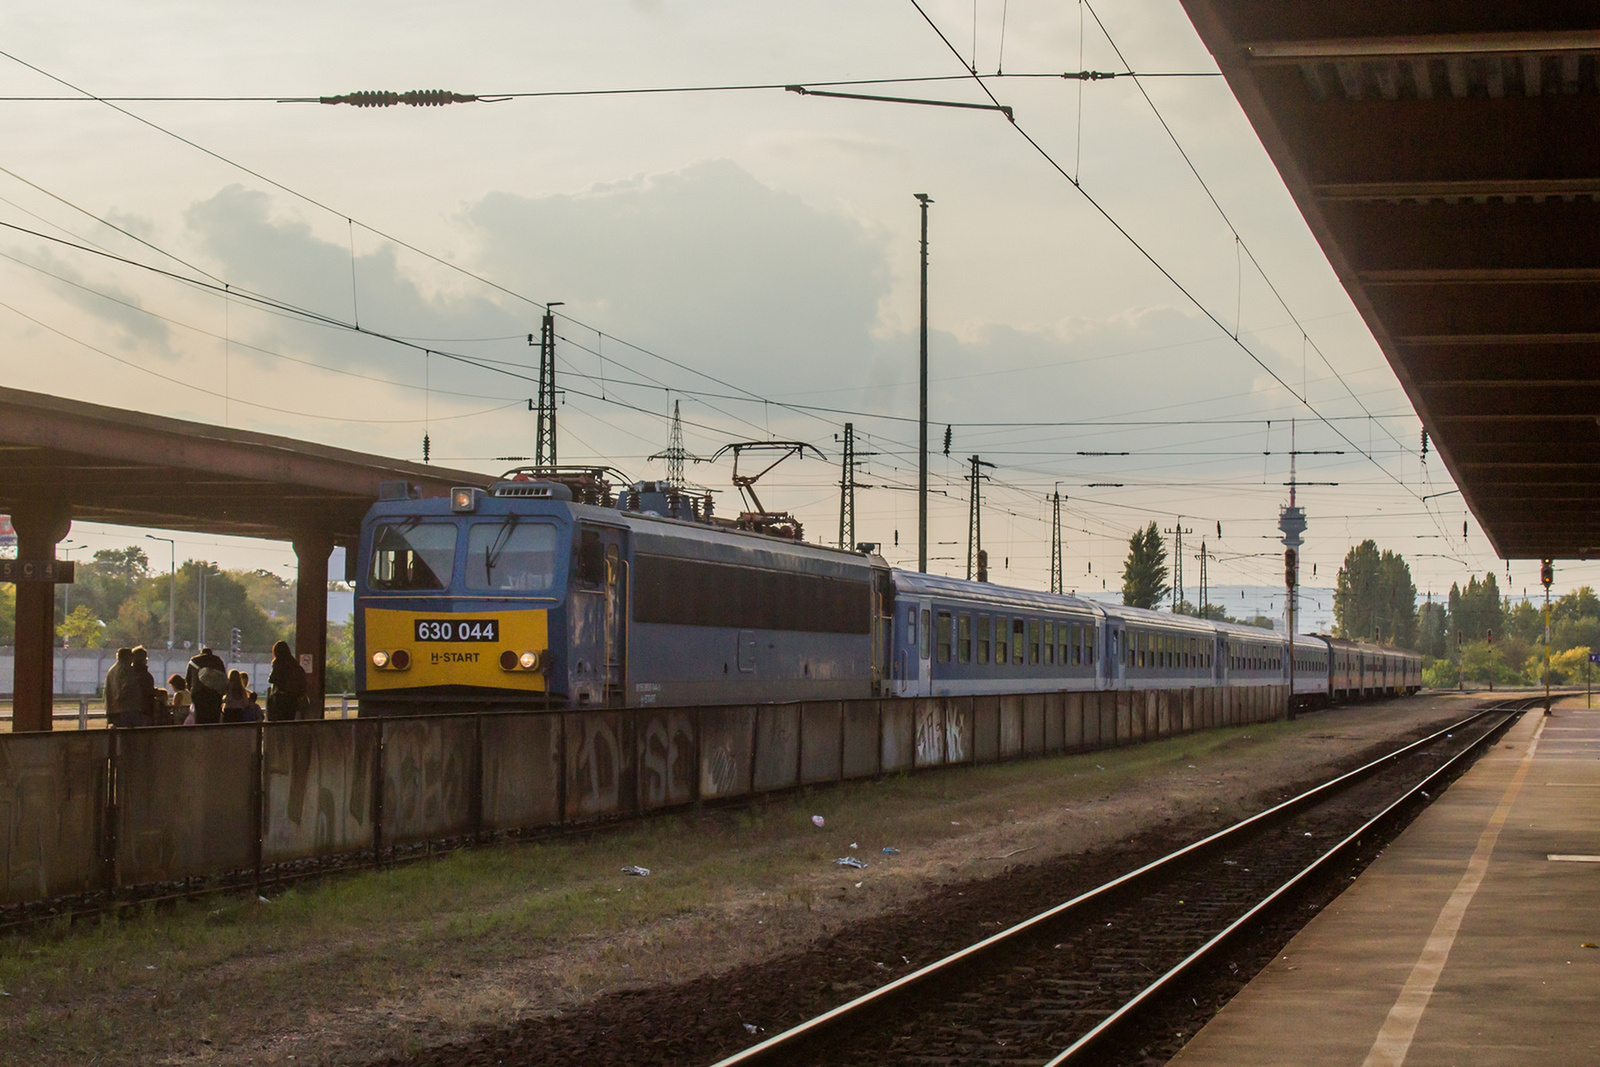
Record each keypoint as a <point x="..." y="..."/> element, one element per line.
<point x="236" y="704"/>
<point x="116" y="679"/>
<point x="286" y="686"/>
<point x="139" y="691"/>
<point x="181" y="702"/>
<point x="208" y="680"/>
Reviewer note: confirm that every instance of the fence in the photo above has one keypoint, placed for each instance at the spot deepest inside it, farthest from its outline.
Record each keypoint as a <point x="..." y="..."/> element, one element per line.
<point x="104" y="810"/>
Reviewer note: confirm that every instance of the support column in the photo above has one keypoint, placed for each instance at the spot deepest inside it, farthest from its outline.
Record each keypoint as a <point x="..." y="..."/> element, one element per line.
<point x="39" y="528"/>
<point x="311" y="613"/>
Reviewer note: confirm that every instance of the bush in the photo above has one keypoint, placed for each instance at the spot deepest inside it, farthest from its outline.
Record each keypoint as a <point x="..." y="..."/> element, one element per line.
<point x="1440" y="674"/>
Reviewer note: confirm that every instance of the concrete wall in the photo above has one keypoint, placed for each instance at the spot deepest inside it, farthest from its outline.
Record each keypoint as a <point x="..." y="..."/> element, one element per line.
<point x="211" y="800"/>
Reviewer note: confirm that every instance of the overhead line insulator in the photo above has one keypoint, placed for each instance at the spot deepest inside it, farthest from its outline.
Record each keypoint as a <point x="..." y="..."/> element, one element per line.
<point x="414" y="98"/>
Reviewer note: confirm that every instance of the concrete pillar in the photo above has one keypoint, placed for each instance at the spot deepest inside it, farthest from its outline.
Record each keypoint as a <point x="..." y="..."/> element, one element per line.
<point x="40" y="527"/>
<point x="311" y="613"/>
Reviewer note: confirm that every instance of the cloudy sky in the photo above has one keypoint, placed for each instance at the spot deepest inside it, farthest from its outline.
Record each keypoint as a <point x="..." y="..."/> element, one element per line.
<point x="751" y="255"/>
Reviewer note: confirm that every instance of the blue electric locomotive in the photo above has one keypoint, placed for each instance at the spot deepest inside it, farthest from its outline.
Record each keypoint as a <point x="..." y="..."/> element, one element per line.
<point x="522" y="596"/>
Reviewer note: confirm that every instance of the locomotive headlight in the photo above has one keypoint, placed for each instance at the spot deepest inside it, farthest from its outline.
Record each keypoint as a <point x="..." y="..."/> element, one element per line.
<point x="529" y="660"/>
<point x="380" y="660"/>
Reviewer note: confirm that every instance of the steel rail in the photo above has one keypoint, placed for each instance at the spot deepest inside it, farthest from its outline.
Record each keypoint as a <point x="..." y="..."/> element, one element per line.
<point x="778" y="1047"/>
<point x="1089" y="1045"/>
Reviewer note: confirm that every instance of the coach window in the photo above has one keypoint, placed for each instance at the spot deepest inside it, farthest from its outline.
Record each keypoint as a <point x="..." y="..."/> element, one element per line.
<point x="944" y="637"/>
<point x="1019" y="634"/>
<point x="1090" y="633"/>
<point x="985" y="635"/>
<point x="1049" y="641"/>
<point x="964" y="638"/>
<point x="1033" y="641"/>
<point x="1002" y="626"/>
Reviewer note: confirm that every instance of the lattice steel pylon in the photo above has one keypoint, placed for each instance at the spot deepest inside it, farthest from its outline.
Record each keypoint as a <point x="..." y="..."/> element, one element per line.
<point x="544" y="445"/>
<point x="1055" y="543"/>
<point x="847" y="489"/>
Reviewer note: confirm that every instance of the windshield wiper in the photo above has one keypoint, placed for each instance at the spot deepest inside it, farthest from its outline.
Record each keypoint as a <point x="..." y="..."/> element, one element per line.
<point x="502" y="538"/>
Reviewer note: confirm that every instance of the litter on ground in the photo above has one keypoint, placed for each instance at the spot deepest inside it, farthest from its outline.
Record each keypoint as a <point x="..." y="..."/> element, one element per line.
<point x="891" y="851"/>
<point x="817" y="820"/>
<point x="849" y="861"/>
<point x="638" y="872"/>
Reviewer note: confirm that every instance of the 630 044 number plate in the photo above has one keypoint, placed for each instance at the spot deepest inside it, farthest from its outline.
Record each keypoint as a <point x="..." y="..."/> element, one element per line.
<point x="457" y="629"/>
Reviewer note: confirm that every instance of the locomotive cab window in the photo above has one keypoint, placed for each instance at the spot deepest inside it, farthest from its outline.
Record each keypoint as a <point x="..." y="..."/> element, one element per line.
<point x="591" y="558"/>
<point x="413" y="556"/>
<point x="511" y="556"/>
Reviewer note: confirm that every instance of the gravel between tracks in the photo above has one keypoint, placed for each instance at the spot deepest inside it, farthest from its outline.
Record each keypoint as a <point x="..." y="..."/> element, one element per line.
<point x="697" y="1020"/>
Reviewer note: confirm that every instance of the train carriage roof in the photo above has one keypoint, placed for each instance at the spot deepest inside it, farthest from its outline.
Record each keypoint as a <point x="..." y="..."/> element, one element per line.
<point x="1161" y="619"/>
<point x="915" y="583"/>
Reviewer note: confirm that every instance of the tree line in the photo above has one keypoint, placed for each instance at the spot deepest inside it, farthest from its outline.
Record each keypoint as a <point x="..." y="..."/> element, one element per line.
<point x="116" y="600"/>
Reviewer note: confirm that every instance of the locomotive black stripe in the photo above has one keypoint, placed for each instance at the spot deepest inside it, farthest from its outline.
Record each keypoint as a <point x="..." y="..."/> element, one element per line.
<point x="693" y="592"/>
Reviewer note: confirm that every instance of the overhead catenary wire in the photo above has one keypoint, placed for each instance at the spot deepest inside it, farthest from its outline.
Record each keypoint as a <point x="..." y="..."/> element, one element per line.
<point x="381" y="98"/>
<point x="814" y="411"/>
<point x="1150" y="257"/>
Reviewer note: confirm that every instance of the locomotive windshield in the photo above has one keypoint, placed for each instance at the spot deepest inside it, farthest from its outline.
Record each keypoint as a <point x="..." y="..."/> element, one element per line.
<point x="413" y="556"/>
<point x="509" y="556"/>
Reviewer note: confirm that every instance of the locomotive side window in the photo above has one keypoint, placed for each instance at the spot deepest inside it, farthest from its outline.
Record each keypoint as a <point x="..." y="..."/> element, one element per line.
<point x="413" y="556"/>
<point x="985" y="635"/>
<point x="944" y="637"/>
<point x="517" y="558"/>
<point x="964" y="638"/>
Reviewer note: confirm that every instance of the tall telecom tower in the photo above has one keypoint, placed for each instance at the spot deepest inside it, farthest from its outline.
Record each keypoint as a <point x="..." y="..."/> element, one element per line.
<point x="1055" y="544"/>
<point x="1292" y="524"/>
<point x="544" y="445"/>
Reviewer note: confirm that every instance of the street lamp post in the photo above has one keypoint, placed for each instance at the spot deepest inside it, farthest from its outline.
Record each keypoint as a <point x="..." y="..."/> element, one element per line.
<point x="172" y="591"/>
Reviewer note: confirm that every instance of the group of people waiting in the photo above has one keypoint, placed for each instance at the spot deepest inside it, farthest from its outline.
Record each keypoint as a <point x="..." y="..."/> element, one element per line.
<point x="207" y="693"/>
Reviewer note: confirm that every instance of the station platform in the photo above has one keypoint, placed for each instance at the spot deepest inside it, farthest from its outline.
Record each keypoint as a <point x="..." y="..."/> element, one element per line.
<point x="1464" y="942"/>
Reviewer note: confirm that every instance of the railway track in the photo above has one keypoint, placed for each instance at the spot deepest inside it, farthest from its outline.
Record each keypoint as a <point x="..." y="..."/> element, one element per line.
<point x="1097" y="979"/>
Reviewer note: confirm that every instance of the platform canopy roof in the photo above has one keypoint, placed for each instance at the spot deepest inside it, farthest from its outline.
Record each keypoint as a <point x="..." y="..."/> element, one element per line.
<point x="1447" y="157"/>
<point x="110" y="465"/>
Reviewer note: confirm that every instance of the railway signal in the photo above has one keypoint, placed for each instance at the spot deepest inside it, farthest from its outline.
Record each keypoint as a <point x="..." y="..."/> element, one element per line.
<point x="1547" y="575"/>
